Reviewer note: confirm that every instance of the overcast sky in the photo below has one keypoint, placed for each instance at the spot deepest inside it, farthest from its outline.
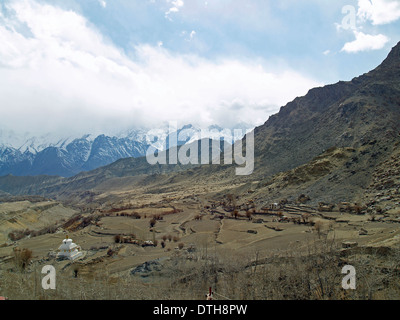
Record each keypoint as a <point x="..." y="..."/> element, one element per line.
<point x="87" y="66"/>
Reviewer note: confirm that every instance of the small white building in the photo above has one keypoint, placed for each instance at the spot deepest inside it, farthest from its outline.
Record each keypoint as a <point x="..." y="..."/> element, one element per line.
<point x="69" y="250"/>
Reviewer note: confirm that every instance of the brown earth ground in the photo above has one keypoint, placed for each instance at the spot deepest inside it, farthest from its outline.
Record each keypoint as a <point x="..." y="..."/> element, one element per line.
<point x="195" y="231"/>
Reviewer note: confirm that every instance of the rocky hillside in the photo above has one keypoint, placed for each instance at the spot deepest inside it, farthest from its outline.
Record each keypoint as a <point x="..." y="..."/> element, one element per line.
<point x="383" y="193"/>
<point x="346" y="114"/>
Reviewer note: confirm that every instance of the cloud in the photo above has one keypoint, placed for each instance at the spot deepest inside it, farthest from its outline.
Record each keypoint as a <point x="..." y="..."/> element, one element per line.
<point x="103" y="3"/>
<point x="59" y="74"/>
<point x="379" y="11"/>
<point x="365" y="42"/>
<point x="188" y="37"/>
<point x="375" y="12"/>
<point x="176" y="5"/>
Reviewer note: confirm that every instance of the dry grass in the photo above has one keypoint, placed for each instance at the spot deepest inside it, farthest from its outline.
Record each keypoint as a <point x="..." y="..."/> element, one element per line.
<point x="290" y="275"/>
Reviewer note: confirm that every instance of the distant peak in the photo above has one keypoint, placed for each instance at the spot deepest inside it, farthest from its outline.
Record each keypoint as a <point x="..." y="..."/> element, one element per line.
<point x="215" y="127"/>
<point x="188" y="126"/>
<point x="393" y="58"/>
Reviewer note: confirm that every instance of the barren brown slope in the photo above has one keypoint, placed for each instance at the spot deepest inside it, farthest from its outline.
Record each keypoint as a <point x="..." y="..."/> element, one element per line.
<point x="346" y="114"/>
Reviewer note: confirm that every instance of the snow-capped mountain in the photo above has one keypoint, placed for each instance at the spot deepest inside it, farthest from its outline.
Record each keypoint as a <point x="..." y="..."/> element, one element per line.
<point x="66" y="157"/>
<point x="25" y="155"/>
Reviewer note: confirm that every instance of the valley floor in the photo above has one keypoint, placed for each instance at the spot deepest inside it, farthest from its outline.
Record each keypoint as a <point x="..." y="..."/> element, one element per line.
<point x="140" y="245"/>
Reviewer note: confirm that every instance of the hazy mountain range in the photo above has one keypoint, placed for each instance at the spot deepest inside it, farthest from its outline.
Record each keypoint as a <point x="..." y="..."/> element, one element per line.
<point x="48" y="155"/>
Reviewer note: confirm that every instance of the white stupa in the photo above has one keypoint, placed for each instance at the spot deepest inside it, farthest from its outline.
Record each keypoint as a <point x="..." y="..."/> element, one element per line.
<point x="69" y="250"/>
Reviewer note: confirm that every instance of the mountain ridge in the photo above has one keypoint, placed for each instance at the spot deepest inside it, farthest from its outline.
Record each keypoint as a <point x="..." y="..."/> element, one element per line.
<point x="69" y="156"/>
<point x="362" y="114"/>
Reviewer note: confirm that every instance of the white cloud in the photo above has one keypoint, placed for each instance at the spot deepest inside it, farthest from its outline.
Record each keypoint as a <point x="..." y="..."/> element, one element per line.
<point x="365" y="42"/>
<point x="103" y="3"/>
<point x="64" y="76"/>
<point x="376" y="12"/>
<point x="176" y="5"/>
<point x="379" y="11"/>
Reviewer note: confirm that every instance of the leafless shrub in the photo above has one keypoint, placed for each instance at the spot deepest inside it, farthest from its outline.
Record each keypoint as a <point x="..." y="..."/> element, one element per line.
<point x="110" y="252"/>
<point x="305" y="217"/>
<point x="249" y="215"/>
<point x="318" y="226"/>
<point x="22" y="257"/>
<point x="117" y="238"/>
<point x="152" y="222"/>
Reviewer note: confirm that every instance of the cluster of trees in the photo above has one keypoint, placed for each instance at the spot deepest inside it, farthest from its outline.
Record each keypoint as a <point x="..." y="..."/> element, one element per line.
<point x="133" y="215"/>
<point x="124" y="238"/>
<point x="170" y="238"/>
